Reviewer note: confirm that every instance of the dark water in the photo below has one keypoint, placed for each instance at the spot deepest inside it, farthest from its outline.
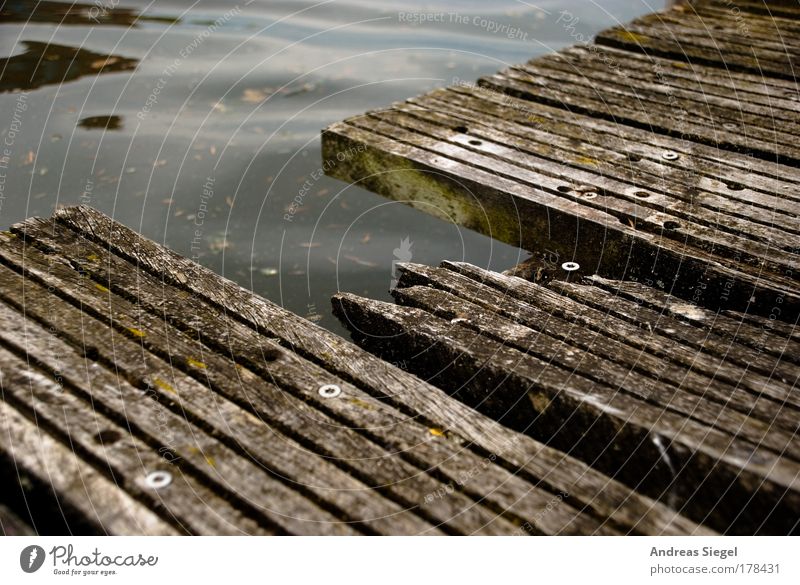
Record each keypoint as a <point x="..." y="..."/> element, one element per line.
<point x="198" y="124"/>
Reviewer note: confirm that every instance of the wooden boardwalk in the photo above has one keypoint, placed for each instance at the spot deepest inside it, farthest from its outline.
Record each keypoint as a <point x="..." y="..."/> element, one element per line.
<point x="654" y="175"/>
<point x="694" y="408"/>
<point x="666" y="153"/>
<point x="636" y="376"/>
<point x="143" y="394"/>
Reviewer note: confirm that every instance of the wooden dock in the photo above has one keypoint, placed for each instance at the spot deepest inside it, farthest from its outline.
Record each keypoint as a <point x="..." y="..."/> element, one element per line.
<point x="143" y="394"/>
<point x="694" y="408"/>
<point x="667" y="152"/>
<point x="654" y="176"/>
<point x="636" y="376"/>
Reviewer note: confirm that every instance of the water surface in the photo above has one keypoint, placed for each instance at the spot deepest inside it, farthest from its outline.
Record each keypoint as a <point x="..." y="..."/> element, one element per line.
<point x="198" y="124"/>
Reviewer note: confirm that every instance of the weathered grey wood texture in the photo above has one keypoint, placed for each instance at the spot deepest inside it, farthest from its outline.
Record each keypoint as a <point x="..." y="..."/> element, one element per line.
<point x="621" y="156"/>
<point x="120" y="358"/>
<point x="697" y="409"/>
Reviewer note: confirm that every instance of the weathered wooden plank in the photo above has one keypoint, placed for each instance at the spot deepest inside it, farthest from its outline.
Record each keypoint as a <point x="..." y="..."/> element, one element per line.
<point x="273" y="402"/>
<point x="773" y="8"/>
<point x="193" y="450"/>
<point x="112" y="449"/>
<point x="666" y="455"/>
<point x="698" y="160"/>
<point x="777" y="95"/>
<point x="724" y="50"/>
<point x="735" y="327"/>
<point x="673" y="108"/>
<point x="602" y="497"/>
<point x="647" y="182"/>
<point x="626" y="194"/>
<point x="542" y="217"/>
<point x="57" y="479"/>
<point x="774" y="33"/>
<point x="12" y="524"/>
<point x="774" y="371"/>
<point x="574" y="359"/>
<point x="654" y="111"/>
<point x="619" y="342"/>
<point x="736" y="387"/>
<point x="697" y="93"/>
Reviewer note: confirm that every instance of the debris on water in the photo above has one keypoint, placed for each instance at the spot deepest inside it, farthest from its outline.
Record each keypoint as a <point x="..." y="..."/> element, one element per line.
<point x="366" y="238"/>
<point x="310" y="245"/>
<point x="256" y="96"/>
<point x="306" y="87"/>
<point x="219" y="243"/>
<point x="103" y="63"/>
<point x="110" y="122"/>
<point x="360" y="261"/>
<point x="269" y="271"/>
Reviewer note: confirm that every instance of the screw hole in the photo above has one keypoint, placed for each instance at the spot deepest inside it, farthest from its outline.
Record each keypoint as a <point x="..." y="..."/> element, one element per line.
<point x="669" y="155"/>
<point x="107" y="437"/>
<point x="734" y="186"/>
<point x="461" y="129"/>
<point x="475" y="142"/>
<point x="634" y="157"/>
<point x="570" y="266"/>
<point x="158" y="479"/>
<point x="671" y="225"/>
<point x="329" y="391"/>
<point x="564" y="188"/>
<point x="641" y="194"/>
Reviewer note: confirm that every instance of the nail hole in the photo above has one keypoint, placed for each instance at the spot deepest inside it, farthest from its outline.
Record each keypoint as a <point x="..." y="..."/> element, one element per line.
<point x="564" y="188"/>
<point x="329" y="391"/>
<point x="671" y="225"/>
<point x="641" y="194"/>
<point x="461" y="129"/>
<point x="107" y="437"/>
<point x="634" y="157"/>
<point x="734" y="186"/>
<point x="475" y="142"/>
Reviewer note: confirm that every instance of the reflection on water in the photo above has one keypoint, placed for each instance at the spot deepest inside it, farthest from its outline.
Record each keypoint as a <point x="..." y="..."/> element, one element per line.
<point x="61" y="13"/>
<point x="50" y="64"/>
<point x="207" y="136"/>
<point x="101" y="122"/>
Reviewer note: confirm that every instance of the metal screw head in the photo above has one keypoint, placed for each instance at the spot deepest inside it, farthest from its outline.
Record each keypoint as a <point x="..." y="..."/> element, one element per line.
<point x="590" y="195"/>
<point x="730" y="126"/>
<point x="570" y="266"/>
<point x="158" y="479"/>
<point x="329" y="391"/>
<point x="669" y="155"/>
